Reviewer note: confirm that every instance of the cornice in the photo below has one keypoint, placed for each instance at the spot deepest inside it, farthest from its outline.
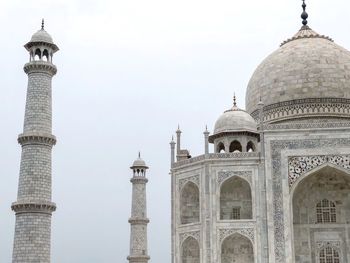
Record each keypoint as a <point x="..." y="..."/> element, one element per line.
<point x="36" y="138"/>
<point x="33" y="207"/>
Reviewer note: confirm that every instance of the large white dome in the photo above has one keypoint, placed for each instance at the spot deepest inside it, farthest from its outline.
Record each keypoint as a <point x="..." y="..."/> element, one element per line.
<point x="307" y="66"/>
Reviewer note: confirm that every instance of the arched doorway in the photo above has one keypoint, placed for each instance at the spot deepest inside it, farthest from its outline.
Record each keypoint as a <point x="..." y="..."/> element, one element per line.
<point x="235" y="199"/>
<point x="321" y="210"/>
<point x="238" y="249"/>
<point x="190" y="251"/>
<point x="189" y="204"/>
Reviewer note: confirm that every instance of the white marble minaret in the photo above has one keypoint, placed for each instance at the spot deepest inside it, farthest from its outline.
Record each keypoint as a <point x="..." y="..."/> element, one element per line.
<point x="33" y="207"/>
<point x="138" y="220"/>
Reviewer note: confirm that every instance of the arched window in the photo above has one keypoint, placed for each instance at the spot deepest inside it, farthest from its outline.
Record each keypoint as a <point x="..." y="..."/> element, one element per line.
<point x="235" y="199"/>
<point x="235" y="146"/>
<point x="189" y="204"/>
<point x="237" y="248"/>
<point x="329" y="255"/>
<point x="250" y="147"/>
<point x="37" y="55"/>
<point x="190" y="251"/>
<point x="220" y="148"/>
<point x="326" y="212"/>
<point x="46" y="55"/>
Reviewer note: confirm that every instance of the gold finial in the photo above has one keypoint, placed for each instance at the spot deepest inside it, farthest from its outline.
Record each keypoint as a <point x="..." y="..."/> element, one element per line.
<point x="234" y="100"/>
<point x="42" y="24"/>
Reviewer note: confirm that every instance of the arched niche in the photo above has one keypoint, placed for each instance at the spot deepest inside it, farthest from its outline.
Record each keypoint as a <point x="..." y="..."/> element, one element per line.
<point x="220" y="148"/>
<point x="190" y="252"/>
<point x="237" y="248"/>
<point x="235" y="199"/>
<point x="320" y="211"/>
<point x="235" y="146"/>
<point x="250" y="147"/>
<point x="189" y="204"/>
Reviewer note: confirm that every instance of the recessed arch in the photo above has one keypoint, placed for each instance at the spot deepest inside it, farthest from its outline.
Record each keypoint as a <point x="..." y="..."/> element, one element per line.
<point x="235" y="199"/>
<point x="189" y="203"/>
<point x="237" y="248"/>
<point x="190" y="252"/>
<point x="235" y="146"/>
<point x="320" y="196"/>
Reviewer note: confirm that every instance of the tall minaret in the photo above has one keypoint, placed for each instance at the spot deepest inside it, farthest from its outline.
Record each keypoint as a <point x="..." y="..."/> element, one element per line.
<point x="33" y="207"/>
<point x="138" y="220"/>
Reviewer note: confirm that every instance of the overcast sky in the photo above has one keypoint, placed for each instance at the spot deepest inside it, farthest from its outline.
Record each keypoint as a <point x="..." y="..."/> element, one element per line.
<point x="128" y="72"/>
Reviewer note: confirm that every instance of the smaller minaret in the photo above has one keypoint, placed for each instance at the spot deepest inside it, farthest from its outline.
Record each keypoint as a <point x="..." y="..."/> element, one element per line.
<point x="206" y="140"/>
<point x="138" y="220"/>
<point x="172" y="150"/>
<point x="178" y="140"/>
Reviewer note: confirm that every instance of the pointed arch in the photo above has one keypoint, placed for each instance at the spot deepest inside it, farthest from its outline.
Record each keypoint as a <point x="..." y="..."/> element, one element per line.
<point x="220" y="148"/>
<point x="237" y="248"/>
<point x="250" y="147"/>
<point x="235" y="146"/>
<point x="189" y="203"/>
<point x="235" y="199"/>
<point x="319" y="196"/>
<point x="190" y="252"/>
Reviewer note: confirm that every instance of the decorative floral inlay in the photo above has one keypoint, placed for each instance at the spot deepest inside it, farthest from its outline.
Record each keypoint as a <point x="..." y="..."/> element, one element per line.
<point x="247" y="232"/>
<point x="194" y="179"/>
<point x="300" y="165"/>
<point x="184" y="236"/>
<point x="223" y="175"/>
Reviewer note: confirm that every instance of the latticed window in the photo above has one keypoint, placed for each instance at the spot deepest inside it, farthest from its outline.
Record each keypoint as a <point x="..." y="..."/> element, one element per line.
<point x="329" y="255"/>
<point x="236" y="213"/>
<point x="325" y="212"/>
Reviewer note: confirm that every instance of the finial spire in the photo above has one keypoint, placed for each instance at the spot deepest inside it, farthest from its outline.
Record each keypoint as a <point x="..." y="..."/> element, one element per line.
<point x="234" y="100"/>
<point x="139" y="154"/>
<point x="304" y="15"/>
<point x="42" y="24"/>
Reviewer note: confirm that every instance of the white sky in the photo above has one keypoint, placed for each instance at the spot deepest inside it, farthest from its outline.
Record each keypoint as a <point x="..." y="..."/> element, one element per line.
<point x="128" y="73"/>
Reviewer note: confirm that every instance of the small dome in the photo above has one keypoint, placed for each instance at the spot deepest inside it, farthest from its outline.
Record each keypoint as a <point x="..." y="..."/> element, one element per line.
<point x="235" y="120"/>
<point x="42" y="36"/>
<point x="139" y="163"/>
<point x="307" y="66"/>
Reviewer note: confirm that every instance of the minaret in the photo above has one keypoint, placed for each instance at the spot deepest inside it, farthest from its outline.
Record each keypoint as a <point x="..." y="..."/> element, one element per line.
<point x="33" y="207"/>
<point x="138" y="220"/>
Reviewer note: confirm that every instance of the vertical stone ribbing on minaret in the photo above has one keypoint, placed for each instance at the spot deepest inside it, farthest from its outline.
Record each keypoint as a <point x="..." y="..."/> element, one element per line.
<point x="138" y="220"/>
<point x="33" y="207"/>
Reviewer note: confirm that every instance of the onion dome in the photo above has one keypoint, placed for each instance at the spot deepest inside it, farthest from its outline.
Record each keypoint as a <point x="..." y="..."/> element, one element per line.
<point x="306" y="75"/>
<point x="234" y="120"/>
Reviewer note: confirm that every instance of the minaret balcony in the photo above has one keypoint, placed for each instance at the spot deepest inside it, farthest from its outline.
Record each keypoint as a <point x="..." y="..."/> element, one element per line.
<point x="33" y="207"/>
<point x="40" y="66"/>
